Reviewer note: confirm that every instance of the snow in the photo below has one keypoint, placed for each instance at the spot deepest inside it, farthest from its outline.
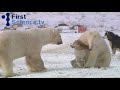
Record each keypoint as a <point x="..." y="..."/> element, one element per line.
<point x="57" y="57"/>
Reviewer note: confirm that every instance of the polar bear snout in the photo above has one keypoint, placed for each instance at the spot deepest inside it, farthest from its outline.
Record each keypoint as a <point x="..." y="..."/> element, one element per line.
<point x="71" y="46"/>
<point x="60" y="42"/>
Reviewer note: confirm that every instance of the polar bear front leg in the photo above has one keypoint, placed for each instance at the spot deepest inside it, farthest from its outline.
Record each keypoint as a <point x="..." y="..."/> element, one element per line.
<point x="7" y="66"/>
<point x="34" y="62"/>
<point x="91" y="59"/>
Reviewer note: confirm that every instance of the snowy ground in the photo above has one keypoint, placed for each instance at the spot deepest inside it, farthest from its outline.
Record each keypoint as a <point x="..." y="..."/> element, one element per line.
<point x="57" y="58"/>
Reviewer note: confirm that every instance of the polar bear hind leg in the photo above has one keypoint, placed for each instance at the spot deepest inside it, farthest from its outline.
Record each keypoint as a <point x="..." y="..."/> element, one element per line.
<point x="106" y="61"/>
<point x="91" y="59"/>
<point x="7" y="66"/>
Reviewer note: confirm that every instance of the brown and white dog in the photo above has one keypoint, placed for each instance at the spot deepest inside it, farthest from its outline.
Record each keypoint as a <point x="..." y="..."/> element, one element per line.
<point x="81" y="52"/>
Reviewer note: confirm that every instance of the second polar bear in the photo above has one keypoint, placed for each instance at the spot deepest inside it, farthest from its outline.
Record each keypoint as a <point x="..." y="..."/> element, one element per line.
<point x="100" y="55"/>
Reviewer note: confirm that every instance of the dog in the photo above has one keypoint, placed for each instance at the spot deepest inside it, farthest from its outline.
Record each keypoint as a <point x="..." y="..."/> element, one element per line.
<point x="114" y="41"/>
<point x="81" y="52"/>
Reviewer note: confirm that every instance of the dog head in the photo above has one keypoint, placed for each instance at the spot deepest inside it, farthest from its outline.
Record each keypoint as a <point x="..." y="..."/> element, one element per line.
<point x="77" y="44"/>
<point x="109" y="35"/>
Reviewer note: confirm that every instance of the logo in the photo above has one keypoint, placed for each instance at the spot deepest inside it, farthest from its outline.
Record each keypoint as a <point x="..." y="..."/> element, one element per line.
<point x="7" y="18"/>
<point x="21" y="19"/>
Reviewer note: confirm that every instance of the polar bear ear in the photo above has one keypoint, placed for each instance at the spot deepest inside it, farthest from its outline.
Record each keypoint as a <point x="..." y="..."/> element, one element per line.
<point x="53" y="31"/>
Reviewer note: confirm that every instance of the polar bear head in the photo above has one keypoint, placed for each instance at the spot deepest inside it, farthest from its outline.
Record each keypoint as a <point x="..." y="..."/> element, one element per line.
<point x="56" y="37"/>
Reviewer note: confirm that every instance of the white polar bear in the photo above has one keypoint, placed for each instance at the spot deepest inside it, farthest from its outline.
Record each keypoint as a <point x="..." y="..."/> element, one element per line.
<point x="100" y="55"/>
<point x="28" y="43"/>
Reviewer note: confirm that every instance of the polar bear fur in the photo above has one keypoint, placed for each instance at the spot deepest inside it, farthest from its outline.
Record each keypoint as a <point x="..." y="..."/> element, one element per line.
<point x="28" y="43"/>
<point x="81" y="52"/>
<point x="100" y="55"/>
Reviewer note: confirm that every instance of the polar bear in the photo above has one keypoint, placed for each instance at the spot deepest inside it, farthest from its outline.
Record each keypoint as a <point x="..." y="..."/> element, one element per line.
<point x="100" y="55"/>
<point x="28" y="43"/>
<point x="81" y="52"/>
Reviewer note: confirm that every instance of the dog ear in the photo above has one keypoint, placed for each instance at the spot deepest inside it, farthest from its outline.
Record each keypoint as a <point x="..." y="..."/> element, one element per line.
<point x="77" y="41"/>
<point x="83" y="45"/>
<point x="107" y="32"/>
